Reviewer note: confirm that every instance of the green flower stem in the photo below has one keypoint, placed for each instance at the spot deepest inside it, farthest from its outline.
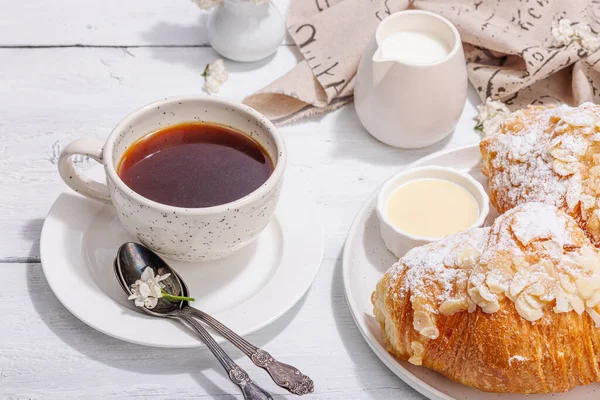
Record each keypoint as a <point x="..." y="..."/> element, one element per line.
<point x="174" y="299"/>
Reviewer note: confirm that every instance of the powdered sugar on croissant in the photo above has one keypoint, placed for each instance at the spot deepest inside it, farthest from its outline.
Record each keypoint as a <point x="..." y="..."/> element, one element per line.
<point x="541" y="260"/>
<point x="549" y="155"/>
<point x="475" y="295"/>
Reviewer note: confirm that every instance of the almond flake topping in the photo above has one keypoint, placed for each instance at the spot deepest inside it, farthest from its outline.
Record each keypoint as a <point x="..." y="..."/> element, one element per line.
<point x="534" y="255"/>
<point x="549" y="155"/>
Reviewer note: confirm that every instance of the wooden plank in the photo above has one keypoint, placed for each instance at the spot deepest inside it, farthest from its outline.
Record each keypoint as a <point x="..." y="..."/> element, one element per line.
<point x="105" y="23"/>
<point x="49" y="97"/>
<point x="46" y="353"/>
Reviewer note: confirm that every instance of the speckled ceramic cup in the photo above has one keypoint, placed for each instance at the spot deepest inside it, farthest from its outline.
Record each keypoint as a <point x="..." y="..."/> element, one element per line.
<point x="188" y="234"/>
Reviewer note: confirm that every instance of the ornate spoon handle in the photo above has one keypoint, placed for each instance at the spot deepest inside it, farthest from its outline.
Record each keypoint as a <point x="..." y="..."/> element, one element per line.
<point x="250" y="390"/>
<point x="284" y="375"/>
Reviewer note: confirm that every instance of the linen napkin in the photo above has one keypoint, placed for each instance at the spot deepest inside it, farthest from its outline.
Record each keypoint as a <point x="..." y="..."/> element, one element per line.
<point x="511" y="52"/>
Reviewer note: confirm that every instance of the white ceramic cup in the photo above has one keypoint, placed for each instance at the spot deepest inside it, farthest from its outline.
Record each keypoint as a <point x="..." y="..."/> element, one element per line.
<point x="398" y="241"/>
<point x="187" y="234"/>
<point x="406" y="104"/>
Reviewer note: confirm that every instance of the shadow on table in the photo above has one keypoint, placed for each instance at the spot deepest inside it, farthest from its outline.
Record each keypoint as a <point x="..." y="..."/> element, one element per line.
<point x="30" y="232"/>
<point x="137" y="358"/>
<point x="356" y="346"/>
<point x="196" y="56"/>
<point x="352" y="141"/>
<point x="193" y="58"/>
<point x="171" y="34"/>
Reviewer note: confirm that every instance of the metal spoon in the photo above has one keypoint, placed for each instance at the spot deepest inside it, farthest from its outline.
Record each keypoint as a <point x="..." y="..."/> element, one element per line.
<point x="284" y="375"/>
<point x="129" y="264"/>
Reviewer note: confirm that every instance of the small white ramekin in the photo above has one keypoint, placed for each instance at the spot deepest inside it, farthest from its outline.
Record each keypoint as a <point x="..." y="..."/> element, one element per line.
<point x="399" y="242"/>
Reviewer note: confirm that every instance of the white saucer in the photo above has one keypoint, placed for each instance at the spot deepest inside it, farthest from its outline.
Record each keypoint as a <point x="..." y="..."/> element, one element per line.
<point x="245" y="291"/>
<point x="365" y="261"/>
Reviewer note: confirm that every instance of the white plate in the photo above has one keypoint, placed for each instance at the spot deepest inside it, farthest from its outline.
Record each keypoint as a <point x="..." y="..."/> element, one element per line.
<point x="245" y="291"/>
<point x="365" y="261"/>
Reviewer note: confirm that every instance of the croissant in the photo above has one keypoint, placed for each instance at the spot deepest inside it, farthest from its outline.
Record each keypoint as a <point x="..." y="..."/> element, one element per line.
<point x="549" y="155"/>
<point x="513" y="308"/>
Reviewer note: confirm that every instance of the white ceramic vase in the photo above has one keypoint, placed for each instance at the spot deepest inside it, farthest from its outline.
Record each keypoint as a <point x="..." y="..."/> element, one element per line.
<point x="244" y="31"/>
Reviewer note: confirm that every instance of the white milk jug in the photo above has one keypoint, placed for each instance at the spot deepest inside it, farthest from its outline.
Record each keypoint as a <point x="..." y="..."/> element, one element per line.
<point x="411" y="83"/>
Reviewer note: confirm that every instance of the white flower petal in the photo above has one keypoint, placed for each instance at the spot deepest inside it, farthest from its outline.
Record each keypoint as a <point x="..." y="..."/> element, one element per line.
<point x="147" y="274"/>
<point x="207" y="4"/>
<point x="216" y="76"/>
<point x="150" y="302"/>
<point x="563" y="32"/>
<point x="583" y="31"/>
<point x="146" y="293"/>
<point x="145" y="290"/>
<point x="586" y="37"/>
<point x="591" y="44"/>
<point x="156" y="291"/>
<point x="163" y="277"/>
<point x="490" y="116"/>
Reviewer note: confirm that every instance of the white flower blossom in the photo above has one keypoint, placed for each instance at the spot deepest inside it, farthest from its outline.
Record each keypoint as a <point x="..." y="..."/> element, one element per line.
<point x="146" y="291"/>
<point x="208" y="4"/>
<point x="563" y="32"/>
<point x="490" y="116"/>
<point x="587" y="38"/>
<point x="215" y="75"/>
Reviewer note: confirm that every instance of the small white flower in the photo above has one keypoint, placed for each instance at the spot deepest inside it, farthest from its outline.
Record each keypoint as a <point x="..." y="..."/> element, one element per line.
<point x="583" y="31"/>
<point x="146" y="291"/>
<point x="215" y="75"/>
<point x="490" y="116"/>
<point x="587" y="38"/>
<point x="207" y="4"/>
<point x="563" y="32"/>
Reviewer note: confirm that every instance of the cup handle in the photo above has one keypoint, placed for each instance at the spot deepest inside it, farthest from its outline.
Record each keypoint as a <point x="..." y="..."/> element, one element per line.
<point x="77" y="181"/>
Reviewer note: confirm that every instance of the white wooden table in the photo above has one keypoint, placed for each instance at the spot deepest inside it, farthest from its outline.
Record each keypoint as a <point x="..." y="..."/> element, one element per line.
<point x="72" y="68"/>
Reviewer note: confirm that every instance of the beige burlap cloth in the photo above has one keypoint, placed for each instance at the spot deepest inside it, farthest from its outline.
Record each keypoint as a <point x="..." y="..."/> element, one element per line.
<point x="509" y="47"/>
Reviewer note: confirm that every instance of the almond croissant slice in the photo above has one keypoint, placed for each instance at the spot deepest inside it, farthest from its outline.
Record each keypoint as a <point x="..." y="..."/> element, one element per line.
<point x="551" y="155"/>
<point x="521" y="314"/>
